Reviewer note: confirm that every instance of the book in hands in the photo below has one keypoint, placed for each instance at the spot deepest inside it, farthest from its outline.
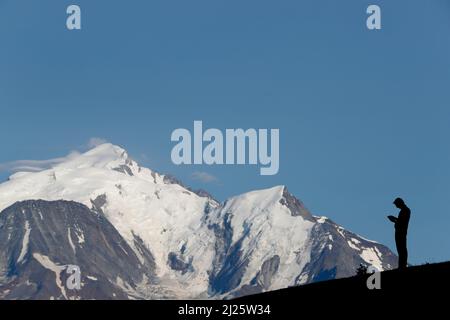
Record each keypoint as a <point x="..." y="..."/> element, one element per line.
<point x="392" y="218"/>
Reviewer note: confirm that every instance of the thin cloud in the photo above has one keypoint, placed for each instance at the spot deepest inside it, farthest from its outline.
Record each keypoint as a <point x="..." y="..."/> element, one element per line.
<point x="35" y="165"/>
<point x="40" y="165"/>
<point x="96" y="141"/>
<point x="204" y="177"/>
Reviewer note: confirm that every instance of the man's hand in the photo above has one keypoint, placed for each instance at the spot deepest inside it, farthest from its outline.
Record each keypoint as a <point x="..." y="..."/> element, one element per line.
<point x="392" y="218"/>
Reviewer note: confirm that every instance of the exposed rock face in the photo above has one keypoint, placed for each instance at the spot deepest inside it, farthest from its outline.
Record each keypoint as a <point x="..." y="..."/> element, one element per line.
<point x="295" y="206"/>
<point x="40" y="239"/>
<point x="335" y="252"/>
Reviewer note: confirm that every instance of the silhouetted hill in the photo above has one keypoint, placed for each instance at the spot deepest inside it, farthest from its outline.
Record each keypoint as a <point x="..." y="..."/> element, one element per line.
<point x="418" y="291"/>
<point x="416" y="287"/>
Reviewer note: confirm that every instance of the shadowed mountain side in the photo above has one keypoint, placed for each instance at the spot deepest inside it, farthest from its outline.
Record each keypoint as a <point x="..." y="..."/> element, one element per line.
<point x="40" y="239"/>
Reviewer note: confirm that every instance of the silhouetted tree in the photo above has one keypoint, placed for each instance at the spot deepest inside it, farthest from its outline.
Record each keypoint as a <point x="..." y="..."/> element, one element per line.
<point x="361" y="270"/>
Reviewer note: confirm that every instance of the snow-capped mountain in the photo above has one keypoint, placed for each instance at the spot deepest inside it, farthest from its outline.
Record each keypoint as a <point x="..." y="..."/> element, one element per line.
<point x="138" y="202"/>
<point x="258" y="241"/>
<point x="268" y="240"/>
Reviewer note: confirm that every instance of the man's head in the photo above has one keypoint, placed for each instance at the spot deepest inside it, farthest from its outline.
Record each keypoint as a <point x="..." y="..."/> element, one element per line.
<point x="399" y="203"/>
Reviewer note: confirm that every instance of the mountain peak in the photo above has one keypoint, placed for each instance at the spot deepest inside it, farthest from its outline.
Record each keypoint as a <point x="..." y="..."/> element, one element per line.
<point x="106" y="151"/>
<point x="279" y="195"/>
<point x="106" y="155"/>
<point x="106" y="148"/>
<point x="272" y="198"/>
<point x="296" y="207"/>
<point x="266" y="196"/>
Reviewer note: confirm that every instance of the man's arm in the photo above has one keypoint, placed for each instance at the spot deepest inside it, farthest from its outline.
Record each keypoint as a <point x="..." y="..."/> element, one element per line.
<point x="394" y="219"/>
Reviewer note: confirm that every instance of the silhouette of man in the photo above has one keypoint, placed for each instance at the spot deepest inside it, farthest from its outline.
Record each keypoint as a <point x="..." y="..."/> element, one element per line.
<point x="401" y="230"/>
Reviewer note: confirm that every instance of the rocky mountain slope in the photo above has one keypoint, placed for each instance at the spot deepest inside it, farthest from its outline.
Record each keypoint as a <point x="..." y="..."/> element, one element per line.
<point x="40" y="240"/>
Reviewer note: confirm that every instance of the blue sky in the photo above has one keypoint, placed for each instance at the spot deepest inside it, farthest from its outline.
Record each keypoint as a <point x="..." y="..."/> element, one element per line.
<point x="363" y="115"/>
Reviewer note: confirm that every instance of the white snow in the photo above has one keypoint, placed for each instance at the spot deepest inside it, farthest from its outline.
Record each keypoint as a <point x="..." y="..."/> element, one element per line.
<point x="371" y="257"/>
<point x="379" y="254"/>
<point x="25" y="242"/>
<point x="50" y="265"/>
<point x="80" y="236"/>
<point x="353" y="243"/>
<point x="269" y="230"/>
<point x="70" y="240"/>
<point x="341" y="231"/>
<point x="321" y="219"/>
<point x="368" y="240"/>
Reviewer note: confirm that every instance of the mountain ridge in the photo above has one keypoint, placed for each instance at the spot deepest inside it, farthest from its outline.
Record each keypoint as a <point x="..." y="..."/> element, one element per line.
<point x="257" y="241"/>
